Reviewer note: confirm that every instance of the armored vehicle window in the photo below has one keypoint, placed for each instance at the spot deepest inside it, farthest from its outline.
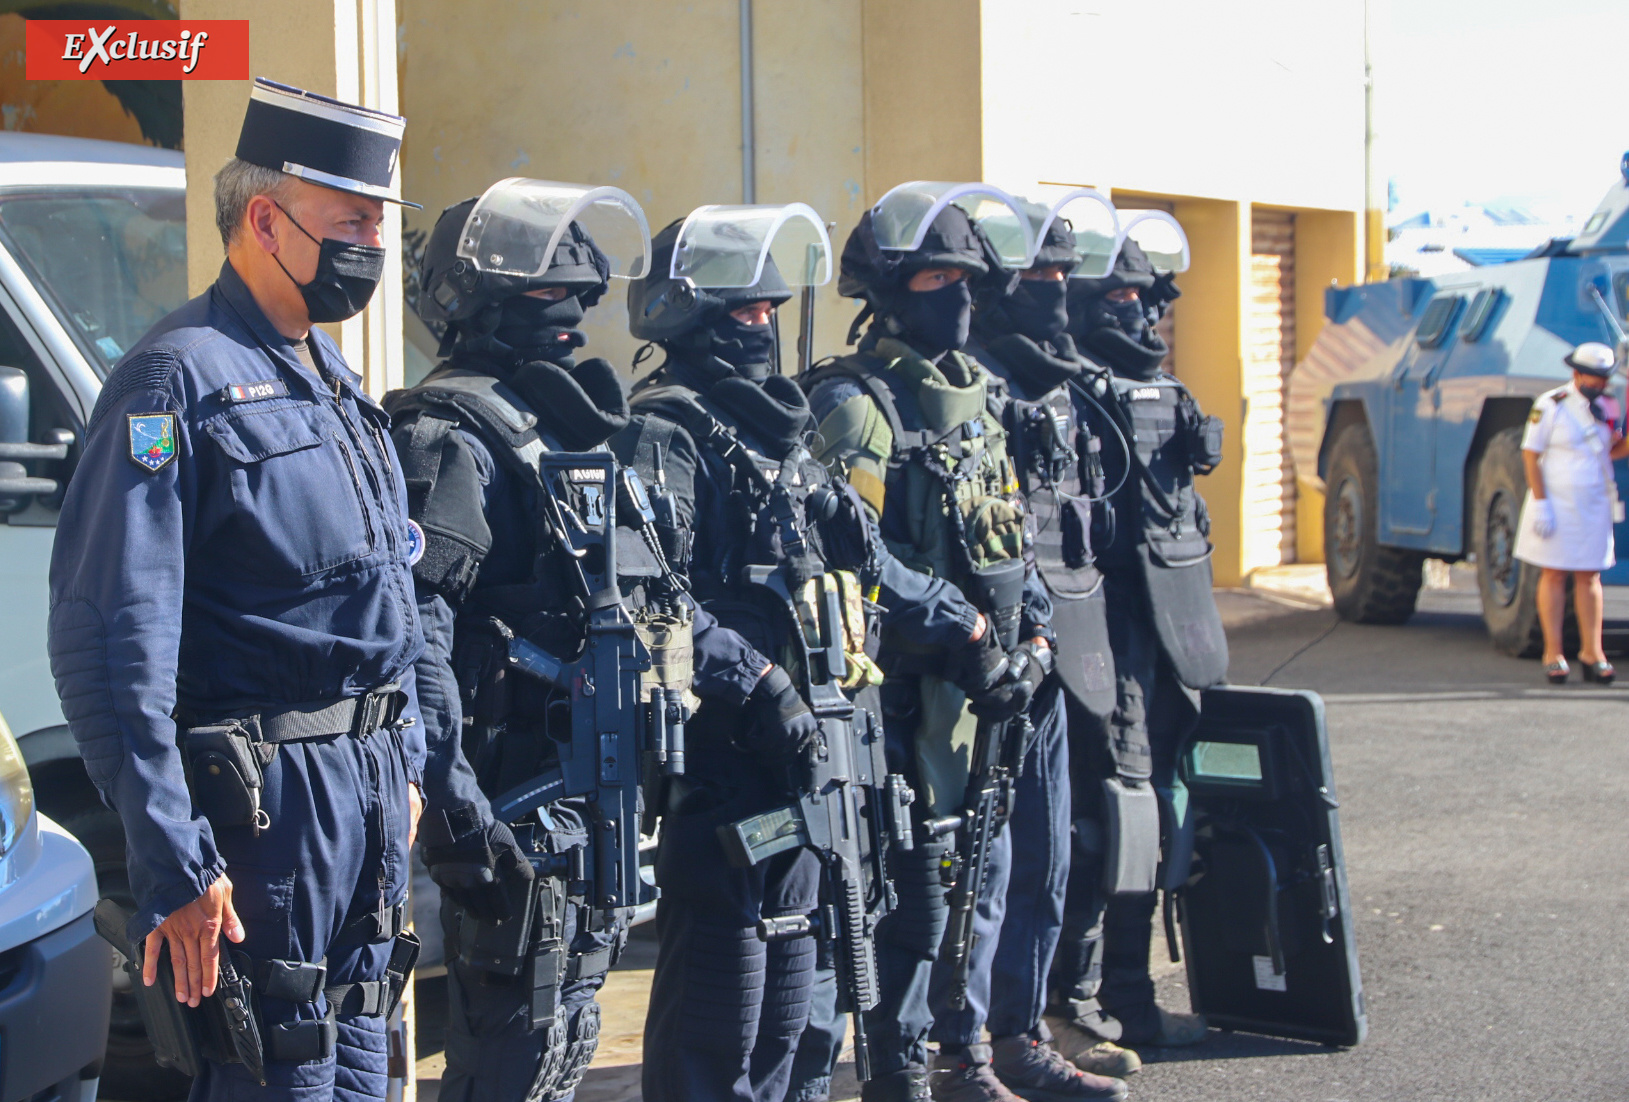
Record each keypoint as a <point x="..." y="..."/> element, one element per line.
<point x="1620" y="285"/>
<point x="109" y="261"/>
<point x="1479" y="318"/>
<point x="1438" y="323"/>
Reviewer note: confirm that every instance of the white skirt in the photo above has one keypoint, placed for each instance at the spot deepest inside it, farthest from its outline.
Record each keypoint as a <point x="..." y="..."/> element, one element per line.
<point x="1582" y="539"/>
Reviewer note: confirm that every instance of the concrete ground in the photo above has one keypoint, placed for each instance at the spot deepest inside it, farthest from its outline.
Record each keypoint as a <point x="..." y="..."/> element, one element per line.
<point x="1483" y="820"/>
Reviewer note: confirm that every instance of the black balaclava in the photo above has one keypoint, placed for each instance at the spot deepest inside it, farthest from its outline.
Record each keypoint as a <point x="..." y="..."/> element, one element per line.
<point x="346" y="277"/>
<point x="536" y="329"/>
<point x="1039" y="309"/>
<point x="1119" y="333"/>
<point x="749" y="349"/>
<point x="935" y="322"/>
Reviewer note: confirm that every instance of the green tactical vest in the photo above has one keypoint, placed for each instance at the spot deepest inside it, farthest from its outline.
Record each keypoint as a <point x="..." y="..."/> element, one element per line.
<point x="923" y="450"/>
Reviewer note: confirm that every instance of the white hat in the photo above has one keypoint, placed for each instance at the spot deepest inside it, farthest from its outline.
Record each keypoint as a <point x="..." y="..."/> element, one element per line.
<point x="1592" y="358"/>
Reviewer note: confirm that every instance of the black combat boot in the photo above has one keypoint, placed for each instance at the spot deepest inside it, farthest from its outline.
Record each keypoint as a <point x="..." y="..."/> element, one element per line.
<point x="909" y="1084"/>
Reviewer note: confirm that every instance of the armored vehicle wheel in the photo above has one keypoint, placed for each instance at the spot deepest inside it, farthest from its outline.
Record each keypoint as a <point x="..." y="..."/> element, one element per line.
<point x="1371" y="584"/>
<point x="1509" y="586"/>
<point x="130" y="1071"/>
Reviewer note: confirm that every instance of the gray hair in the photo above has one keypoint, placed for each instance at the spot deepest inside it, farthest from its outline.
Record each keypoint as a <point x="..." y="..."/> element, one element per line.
<point x="239" y="181"/>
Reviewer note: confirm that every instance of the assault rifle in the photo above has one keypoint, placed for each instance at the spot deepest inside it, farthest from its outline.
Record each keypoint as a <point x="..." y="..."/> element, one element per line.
<point x="848" y="810"/>
<point x="999" y="747"/>
<point x="621" y="734"/>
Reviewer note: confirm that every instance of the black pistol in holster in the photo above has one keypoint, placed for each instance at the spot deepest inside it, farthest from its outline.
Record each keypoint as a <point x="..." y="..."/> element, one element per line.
<point x="848" y="809"/>
<point x="999" y="747"/>
<point x="530" y="944"/>
<point x="223" y="1028"/>
<point x="622" y="725"/>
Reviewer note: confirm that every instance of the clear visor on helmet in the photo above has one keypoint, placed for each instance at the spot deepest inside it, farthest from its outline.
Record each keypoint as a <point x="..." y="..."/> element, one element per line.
<point x="516" y="226"/>
<point x="725" y="246"/>
<point x="901" y="218"/>
<point x="1092" y="221"/>
<point x="1159" y="235"/>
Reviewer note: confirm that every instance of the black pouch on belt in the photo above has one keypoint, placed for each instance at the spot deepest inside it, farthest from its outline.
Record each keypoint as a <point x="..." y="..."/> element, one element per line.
<point x="226" y="775"/>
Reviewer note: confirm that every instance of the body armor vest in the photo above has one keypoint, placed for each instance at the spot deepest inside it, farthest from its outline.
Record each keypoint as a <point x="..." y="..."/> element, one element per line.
<point x="1058" y="463"/>
<point x="767" y="514"/>
<point x="508" y="714"/>
<point x="935" y="465"/>
<point x="1160" y="524"/>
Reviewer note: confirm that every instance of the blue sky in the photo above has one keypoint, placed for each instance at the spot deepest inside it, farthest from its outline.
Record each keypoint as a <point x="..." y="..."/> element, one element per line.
<point x="1520" y="101"/>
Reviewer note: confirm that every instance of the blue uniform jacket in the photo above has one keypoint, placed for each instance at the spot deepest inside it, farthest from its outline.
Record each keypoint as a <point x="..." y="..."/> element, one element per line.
<point x="233" y="541"/>
<point x="726" y="667"/>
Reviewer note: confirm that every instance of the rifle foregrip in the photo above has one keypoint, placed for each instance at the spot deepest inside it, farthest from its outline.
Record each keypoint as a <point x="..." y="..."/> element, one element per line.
<point x="786" y="927"/>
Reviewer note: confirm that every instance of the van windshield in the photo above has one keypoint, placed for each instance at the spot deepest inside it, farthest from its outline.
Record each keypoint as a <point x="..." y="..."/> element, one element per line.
<point x="109" y="261"/>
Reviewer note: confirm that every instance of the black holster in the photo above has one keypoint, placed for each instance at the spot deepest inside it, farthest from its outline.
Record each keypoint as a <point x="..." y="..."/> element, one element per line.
<point x="529" y="947"/>
<point x="226" y="772"/>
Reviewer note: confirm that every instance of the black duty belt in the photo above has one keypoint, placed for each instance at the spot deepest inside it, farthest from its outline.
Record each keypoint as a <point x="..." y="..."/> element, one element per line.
<point x="360" y="716"/>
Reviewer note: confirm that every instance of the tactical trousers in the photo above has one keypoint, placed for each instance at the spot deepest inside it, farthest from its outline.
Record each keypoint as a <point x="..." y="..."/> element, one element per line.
<point x="726" y="1009"/>
<point x="494" y="1054"/>
<point x="1018" y="923"/>
<point x="1101" y="978"/>
<point x="310" y="888"/>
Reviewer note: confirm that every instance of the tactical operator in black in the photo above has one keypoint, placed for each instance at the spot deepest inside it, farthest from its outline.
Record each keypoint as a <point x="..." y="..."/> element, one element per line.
<point x="232" y="635"/>
<point x="524" y="959"/>
<point x="1167" y="641"/>
<point x="1019" y="322"/>
<point x="726" y="1009"/>
<point x="907" y="421"/>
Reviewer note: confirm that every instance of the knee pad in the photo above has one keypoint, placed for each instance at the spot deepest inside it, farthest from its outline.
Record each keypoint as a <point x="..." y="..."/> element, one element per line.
<point x="917" y="923"/>
<point x="788" y="988"/>
<point x="582" y="1037"/>
<point x="550" y="1061"/>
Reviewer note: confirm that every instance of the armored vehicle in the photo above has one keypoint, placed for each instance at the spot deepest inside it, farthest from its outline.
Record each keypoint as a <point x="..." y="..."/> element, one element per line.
<point x="1408" y="414"/>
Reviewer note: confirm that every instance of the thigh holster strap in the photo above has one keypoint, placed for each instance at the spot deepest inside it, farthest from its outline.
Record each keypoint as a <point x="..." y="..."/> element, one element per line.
<point x="368" y="999"/>
<point x="302" y="1042"/>
<point x="582" y="966"/>
<point x="290" y="980"/>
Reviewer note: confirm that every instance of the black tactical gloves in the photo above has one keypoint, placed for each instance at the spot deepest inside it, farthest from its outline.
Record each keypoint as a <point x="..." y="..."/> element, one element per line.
<point x="1026" y="669"/>
<point x="783" y="726"/>
<point x="979" y="664"/>
<point x="475" y="866"/>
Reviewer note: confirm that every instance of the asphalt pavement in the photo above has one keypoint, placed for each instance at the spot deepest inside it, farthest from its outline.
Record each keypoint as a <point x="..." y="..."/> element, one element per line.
<point x="1484" y="823"/>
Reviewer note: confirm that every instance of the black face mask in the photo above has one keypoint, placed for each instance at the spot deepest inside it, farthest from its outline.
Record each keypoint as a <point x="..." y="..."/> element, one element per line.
<point x="750" y="349"/>
<point x="1591" y="393"/>
<point x="1128" y="317"/>
<point x="346" y="277"/>
<point x="936" y="322"/>
<point x="537" y="329"/>
<point x="1038" y="308"/>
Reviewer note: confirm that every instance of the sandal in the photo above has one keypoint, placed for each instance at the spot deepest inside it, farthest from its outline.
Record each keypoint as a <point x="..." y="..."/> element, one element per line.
<point x="1601" y="672"/>
<point x="1557" y="671"/>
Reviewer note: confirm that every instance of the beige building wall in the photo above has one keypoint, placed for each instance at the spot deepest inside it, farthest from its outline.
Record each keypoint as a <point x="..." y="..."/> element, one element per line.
<point x="1215" y="109"/>
<point x="339" y="48"/>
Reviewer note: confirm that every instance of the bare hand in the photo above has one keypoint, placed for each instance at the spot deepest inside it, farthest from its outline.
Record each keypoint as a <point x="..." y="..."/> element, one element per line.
<point x="415" y="808"/>
<point x="193" y="934"/>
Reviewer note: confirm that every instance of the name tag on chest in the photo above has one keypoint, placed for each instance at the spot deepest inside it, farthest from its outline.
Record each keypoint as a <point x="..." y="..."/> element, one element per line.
<point x="255" y="392"/>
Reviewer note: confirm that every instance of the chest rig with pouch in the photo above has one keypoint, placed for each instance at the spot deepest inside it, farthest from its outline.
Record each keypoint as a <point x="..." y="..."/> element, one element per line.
<point x="1058" y="463"/>
<point x="933" y="462"/>
<point x="771" y="509"/>
<point x="1168" y="542"/>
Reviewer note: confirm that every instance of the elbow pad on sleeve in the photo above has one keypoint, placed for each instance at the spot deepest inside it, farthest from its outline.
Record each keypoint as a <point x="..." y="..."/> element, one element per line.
<point x="444" y="499"/>
<point x="78" y="642"/>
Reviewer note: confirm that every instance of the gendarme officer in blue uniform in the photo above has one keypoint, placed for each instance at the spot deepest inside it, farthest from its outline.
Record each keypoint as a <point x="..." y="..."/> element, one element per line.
<point x="232" y="622"/>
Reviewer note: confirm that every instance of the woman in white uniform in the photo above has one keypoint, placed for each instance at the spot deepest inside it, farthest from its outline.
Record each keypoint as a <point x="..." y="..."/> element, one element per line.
<point x="1566" y="523"/>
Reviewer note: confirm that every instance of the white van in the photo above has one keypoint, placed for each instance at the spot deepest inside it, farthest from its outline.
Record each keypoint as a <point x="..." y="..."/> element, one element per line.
<point x="93" y="251"/>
